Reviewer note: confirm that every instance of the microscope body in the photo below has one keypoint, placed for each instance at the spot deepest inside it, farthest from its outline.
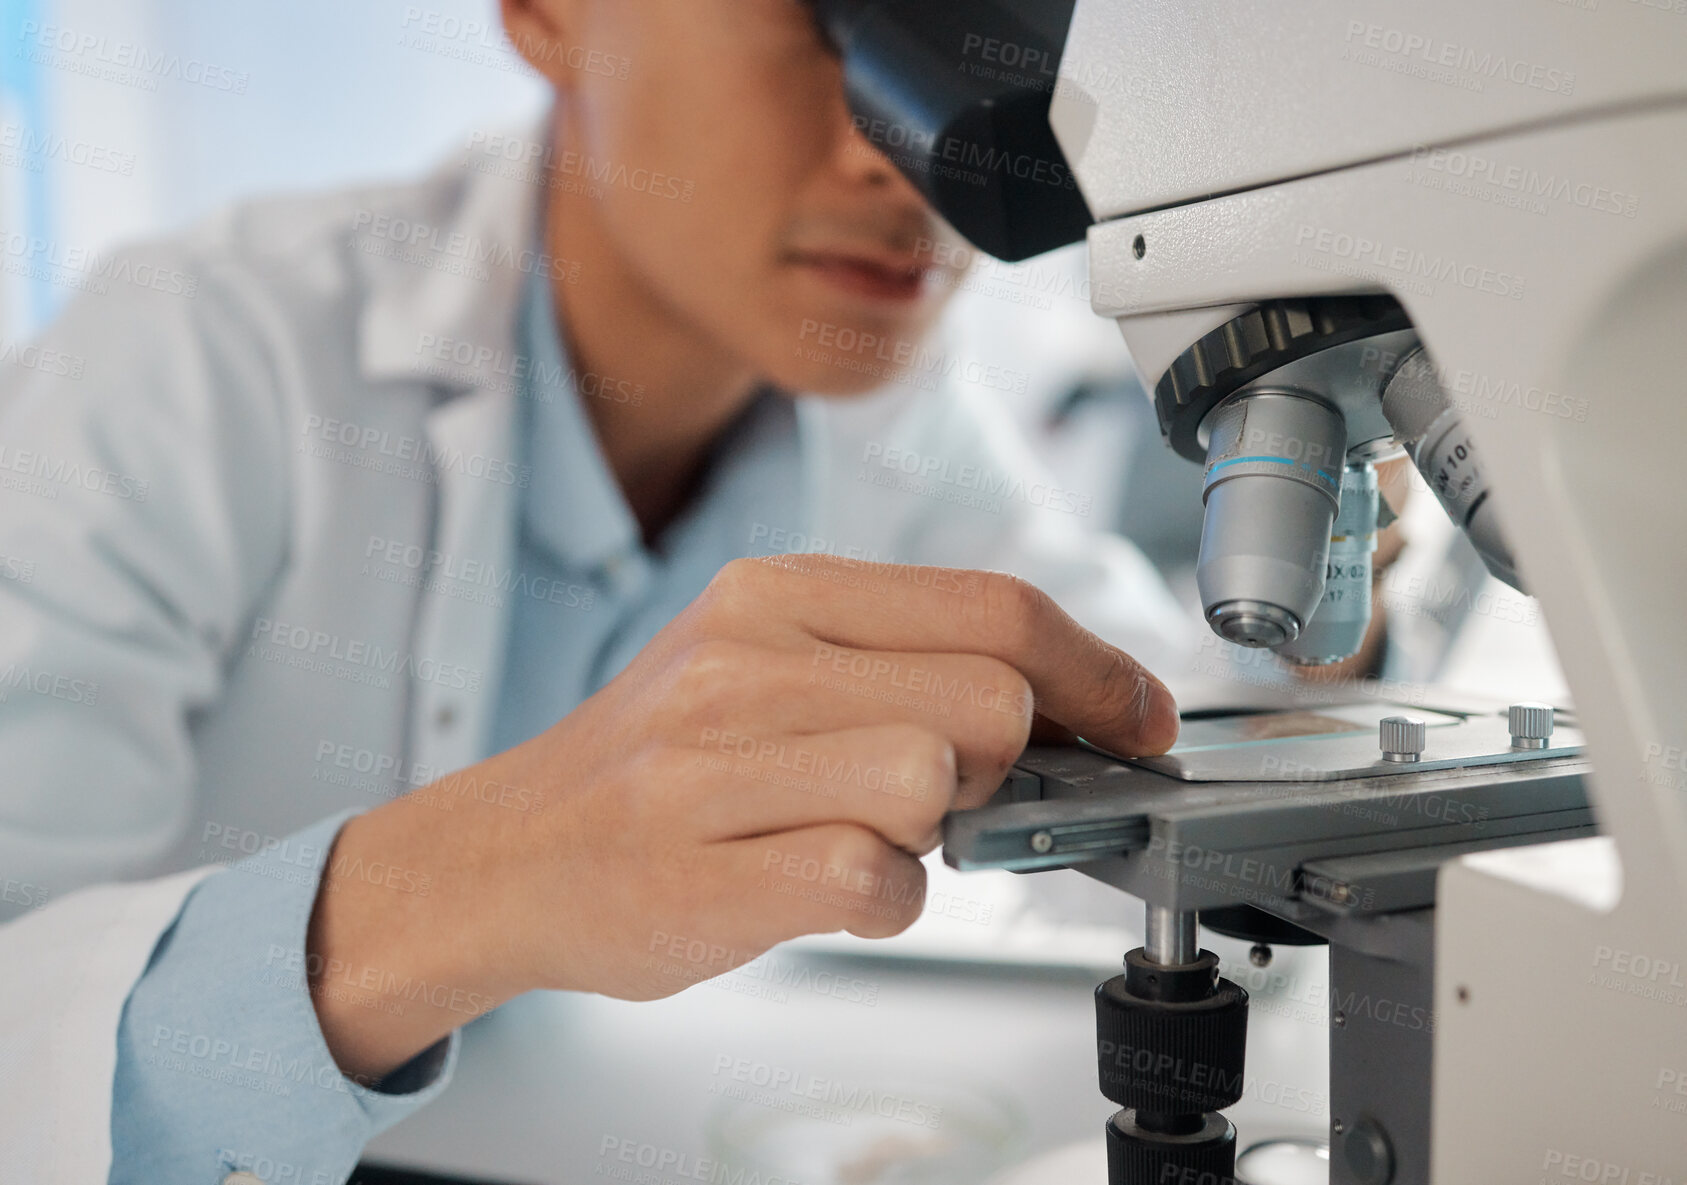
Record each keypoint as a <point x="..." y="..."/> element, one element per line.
<point x="1331" y="232"/>
<point x="1514" y="176"/>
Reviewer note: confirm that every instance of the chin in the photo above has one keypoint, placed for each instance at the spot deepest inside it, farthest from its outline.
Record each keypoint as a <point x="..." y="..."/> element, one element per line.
<point x="846" y="356"/>
<point x="830" y="380"/>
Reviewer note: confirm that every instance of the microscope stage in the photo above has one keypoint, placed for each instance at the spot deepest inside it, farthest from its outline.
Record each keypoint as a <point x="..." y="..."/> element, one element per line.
<point x="1295" y="812"/>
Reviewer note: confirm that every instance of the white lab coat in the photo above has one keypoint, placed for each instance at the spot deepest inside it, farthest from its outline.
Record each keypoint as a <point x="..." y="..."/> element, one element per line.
<point x="161" y="508"/>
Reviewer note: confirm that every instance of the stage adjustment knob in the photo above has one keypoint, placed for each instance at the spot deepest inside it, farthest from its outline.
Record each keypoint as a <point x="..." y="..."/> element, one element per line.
<point x="1401" y="738"/>
<point x="1531" y="725"/>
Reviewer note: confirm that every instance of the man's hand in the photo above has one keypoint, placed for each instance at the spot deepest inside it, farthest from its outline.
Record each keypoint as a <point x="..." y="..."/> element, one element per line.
<point x="772" y="764"/>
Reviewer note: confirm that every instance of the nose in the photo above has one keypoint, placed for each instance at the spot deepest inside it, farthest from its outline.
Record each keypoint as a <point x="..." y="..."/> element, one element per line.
<point x="861" y="161"/>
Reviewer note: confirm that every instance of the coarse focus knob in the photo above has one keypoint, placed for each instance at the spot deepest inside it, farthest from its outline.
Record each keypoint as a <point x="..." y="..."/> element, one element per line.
<point x="1531" y="725"/>
<point x="1171" y="1040"/>
<point x="1401" y="738"/>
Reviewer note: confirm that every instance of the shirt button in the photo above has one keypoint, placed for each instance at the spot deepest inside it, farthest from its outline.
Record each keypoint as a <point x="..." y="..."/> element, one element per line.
<point x="243" y="1179"/>
<point x="445" y="717"/>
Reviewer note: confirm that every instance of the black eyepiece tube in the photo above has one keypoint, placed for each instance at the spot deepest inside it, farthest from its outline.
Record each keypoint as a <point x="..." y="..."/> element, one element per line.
<point x="956" y="94"/>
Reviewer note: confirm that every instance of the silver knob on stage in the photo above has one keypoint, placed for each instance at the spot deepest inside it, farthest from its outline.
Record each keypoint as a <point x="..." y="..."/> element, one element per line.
<point x="1531" y="725"/>
<point x="1401" y="738"/>
<point x="1274" y="470"/>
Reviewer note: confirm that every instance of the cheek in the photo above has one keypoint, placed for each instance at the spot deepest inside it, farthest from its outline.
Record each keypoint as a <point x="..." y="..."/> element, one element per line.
<point x="740" y="179"/>
<point x="753" y="139"/>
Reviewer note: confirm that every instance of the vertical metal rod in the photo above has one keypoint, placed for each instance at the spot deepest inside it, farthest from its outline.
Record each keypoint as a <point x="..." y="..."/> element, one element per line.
<point x="1173" y="937"/>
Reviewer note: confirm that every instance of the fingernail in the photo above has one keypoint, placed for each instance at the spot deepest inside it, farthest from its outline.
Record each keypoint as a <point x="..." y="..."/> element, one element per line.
<point x="1165" y="723"/>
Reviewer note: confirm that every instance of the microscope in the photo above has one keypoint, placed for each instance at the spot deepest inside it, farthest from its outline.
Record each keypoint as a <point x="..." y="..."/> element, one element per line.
<point x="1331" y="234"/>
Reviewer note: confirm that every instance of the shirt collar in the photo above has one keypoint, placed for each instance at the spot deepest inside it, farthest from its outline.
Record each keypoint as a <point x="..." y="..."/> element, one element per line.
<point x="575" y="508"/>
<point x="445" y="262"/>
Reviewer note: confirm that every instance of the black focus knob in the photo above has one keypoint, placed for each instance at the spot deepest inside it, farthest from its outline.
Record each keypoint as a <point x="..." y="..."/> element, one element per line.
<point x="1138" y="1156"/>
<point x="1171" y="1040"/>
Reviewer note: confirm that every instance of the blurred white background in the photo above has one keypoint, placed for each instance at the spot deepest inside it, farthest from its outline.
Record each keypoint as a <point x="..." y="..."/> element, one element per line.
<point x="208" y="102"/>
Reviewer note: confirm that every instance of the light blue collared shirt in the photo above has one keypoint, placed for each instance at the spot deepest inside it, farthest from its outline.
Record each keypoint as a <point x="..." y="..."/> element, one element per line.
<point x="577" y="531"/>
<point x="221" y="1063"/>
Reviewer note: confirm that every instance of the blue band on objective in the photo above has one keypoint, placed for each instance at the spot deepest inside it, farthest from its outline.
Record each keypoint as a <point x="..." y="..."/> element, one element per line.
<point x="1273" y="461"/>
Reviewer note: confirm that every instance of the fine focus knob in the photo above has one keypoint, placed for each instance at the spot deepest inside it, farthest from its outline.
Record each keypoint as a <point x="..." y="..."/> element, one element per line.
<point x="1531" y="725"/>
<point x="1401" y="738"/>
<point x="1205" y="1155"/>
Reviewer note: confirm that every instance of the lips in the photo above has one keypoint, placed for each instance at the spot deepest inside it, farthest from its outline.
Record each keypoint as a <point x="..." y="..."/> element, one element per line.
<point x="876" y="277"/>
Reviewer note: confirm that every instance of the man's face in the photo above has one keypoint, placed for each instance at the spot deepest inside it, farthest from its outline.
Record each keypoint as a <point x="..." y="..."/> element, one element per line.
<point x="793" y="243"/>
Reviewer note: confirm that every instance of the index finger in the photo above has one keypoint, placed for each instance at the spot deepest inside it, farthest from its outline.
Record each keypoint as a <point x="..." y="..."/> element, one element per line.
<point x="1080" y="681"/>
